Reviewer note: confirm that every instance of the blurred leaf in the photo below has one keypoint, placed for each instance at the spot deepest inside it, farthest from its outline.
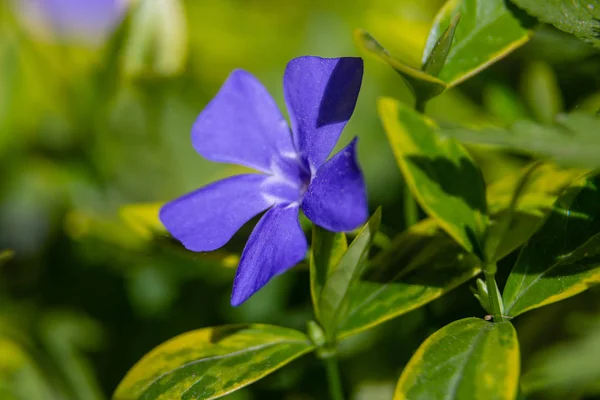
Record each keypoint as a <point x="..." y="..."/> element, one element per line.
<point x="566" y="365"/>
<point x="333" y="303"/>
<point x="487" y="32"/>
<point x="562" y="258"/>
<point x="327" y="248"/>
<point x="157" y="39"/>
<point x="211" y="362"/>
<point x="581" y="18"/>
<point x="541" y="91"/>
<point x="504" y="103"/>
<point x="6" y="255"/>
<point x="437" y="57"/>
<point x="468" y="359"/>
<point x="573" y="141"/>
<point x="424" y="85"/>
<point x="439" y="173"/>
<point x="143" y="219"/>
<point x="421" y="265"/>
<point x="66" y="335"/>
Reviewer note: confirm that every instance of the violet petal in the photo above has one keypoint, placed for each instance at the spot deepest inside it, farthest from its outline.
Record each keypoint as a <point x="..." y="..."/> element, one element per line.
<point x="336" y="199"/>
<point x="320" y="94"/>
<point x="276" y="244"/>
<point x="242" y="125"/>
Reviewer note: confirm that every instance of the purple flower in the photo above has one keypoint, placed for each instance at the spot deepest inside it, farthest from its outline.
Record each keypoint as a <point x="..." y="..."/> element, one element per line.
<point x="88" y="21"/>
<point x="242" y="125"/>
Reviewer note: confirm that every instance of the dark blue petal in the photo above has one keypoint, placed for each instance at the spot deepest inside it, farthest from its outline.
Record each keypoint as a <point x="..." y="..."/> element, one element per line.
<point x="242" y="125"/>
<point x="336" y="199"/>
<point x="276" y="244"/>
<point x="320" y="94"/>
<point x="206" y="219"/>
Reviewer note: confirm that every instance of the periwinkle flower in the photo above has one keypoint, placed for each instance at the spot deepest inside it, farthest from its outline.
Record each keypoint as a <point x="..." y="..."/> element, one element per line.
<point x="89" y="21"/>
<point x="242" y="125"/>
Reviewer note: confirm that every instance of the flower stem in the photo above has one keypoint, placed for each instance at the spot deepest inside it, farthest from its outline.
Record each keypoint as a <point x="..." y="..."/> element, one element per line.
<point x="495" y="300"/>
<point x="334" y="379"/>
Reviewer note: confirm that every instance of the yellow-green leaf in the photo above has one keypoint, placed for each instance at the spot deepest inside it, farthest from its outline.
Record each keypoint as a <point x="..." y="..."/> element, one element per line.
<point x="562" y="258"/>
<point x="488" y="31"/>
<point x="439" y="172"/>
<point x="572" y="141"/>
<point x="424" y="85"/>
<point x="327" y="249"/>
<point x="143" y="219"/>
<point x="420" y="265"/>
<point x="468" y="359"/>
<point x="333" y="303"/>
<point x="211" y="362"/>
<point x="437" y="57"/>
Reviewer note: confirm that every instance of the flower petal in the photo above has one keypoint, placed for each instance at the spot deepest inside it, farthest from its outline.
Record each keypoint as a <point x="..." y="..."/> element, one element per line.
<point x="207" y="218"/>
<point x="242" y="125"/>
<point x="336" y="199"/>
<point x="276" y="244"/>
<point x="320" y="94"/>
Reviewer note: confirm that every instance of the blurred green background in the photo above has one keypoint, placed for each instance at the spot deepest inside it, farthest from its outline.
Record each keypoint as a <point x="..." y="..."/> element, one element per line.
<point x="92" y="120"/>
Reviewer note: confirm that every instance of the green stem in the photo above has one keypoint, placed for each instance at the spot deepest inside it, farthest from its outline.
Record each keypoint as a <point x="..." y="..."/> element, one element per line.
<point x="334" y="379"/>
<point x="411" y="212"/>
<point x="495" y="299"/>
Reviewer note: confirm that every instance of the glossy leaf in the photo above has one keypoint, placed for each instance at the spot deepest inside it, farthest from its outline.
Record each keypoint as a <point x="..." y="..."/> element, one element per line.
<point x="562" y="258"/>
<point x="334" y="296"/>
<point x="424" y="85"/>
<point x="437" y="57"/>
<point x="581" y="17"/>
<point x="573" y="141"/>
<point x="420" y="265"/>
<point x="439" y="173"/>
<point x="327" y="249"/>
<point x="468" y="359"/>
<point x="211" y="362"/>
<point x="488" y="31"/>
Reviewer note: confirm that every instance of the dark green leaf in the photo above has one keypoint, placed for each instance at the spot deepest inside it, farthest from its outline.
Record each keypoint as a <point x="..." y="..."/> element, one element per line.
<point x="421" y="265"/>
<point x="573" y="141"/>
<point x="333" y="303"/>
<point x="562" y="258"/>
<point x="327" y="249"/>
<point x="439" y="173"/>
<point x="424" y="85"/>
<point x="487" y="32"/>
<point x="211" y="362"/>
<point x="468" y="359"/>
<point x="580" y="17"/>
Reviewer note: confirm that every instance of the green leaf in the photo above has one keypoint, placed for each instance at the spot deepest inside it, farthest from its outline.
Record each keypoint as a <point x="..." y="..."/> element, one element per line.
<point x="439" y="173"/>
<point x="468" y="359"/>
<point x="580" y="18"/>
<point x="422" y="264"/>
<point x="334" y="296"/>
<point x="562" y="258"/>
<point x="423" y="85"/>
<point x="211" y="362"/>
<point x="437" y="57"/>
<point x="327" y="249"/>
<point x="573" y="141"/>
<point x="541" y="92"/>
<point x="488" y="31"/>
